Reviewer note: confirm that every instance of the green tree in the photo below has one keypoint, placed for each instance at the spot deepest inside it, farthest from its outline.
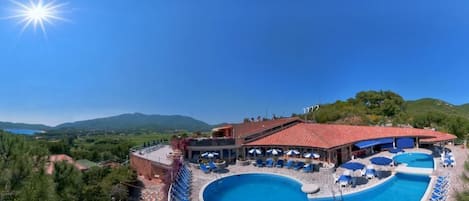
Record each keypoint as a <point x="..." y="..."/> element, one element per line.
<point x="68" y="181"/>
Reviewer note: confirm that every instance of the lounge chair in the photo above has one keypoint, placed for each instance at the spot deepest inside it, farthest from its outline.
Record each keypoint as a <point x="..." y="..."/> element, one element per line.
<point x="344" y="180"/>
<point x="212" y="166"/>
<point x="308" y="168"/>
<point x="370" y="173"/>
<point x="259" y="163"/>
<point x="269" y="162"/>
<point x="204" y="168"/>
<point x="279" y="163"/>
<point x="299" y="165"/>
<point x="290" y="164"/>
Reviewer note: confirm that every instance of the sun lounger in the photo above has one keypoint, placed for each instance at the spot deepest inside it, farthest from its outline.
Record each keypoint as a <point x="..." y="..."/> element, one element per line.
<point x="279" y="163"/>
<point x="204" y="168"/>
<point x="259" y="163"/>
<point x="269" y="162"/>
<point x="308" y="168"/>
<point x="344" y="180"/>
<point x="299" y="165"/>
<point x="370" y="173"/>
<point x="290" y="164"/>
<point x="212" y="166"/>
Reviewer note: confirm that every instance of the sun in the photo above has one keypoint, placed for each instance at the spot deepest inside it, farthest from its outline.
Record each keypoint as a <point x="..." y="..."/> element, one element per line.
<point x="37" y="14"/>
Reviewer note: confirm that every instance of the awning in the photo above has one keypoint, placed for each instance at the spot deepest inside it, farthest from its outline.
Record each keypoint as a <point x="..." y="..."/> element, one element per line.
<point x="370" y="143"/>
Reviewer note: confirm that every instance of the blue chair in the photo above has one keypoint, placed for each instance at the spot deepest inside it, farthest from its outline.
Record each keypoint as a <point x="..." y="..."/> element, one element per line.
<point x="299" y="165"/>
<point x="279" y="163"/>
<point x="269" y="162"/>
<point x="204" y="168"/>
<point x="259" y="163"/>
<point x="290" y="164"/>
<point x="308" y="168"/>
<point x="212" y="166"/>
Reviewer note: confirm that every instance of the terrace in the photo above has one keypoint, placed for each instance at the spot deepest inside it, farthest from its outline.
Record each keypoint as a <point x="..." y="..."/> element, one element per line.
<point x="324" y="177"/>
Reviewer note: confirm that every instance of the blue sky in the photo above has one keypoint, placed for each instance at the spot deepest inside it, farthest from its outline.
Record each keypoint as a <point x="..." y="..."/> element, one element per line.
<point x="220" y="61"/>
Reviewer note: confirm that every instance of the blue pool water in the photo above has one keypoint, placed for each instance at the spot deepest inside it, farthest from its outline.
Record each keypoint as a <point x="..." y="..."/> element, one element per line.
<point x="419" y="160"/>
<point x="22" y="131"/>
<point x="254" y="187"/>
<point x="401" y="187"/>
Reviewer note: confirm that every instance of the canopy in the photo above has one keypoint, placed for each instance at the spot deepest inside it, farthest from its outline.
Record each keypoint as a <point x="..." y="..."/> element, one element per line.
<point x="396" y="150"/>
<point x="274" y="151"/>
<point x="380" y="160"/>
<point x="370" y="143"/>
<point x="209" y="154"/>
<point x="255" y="151"/>
<point x="311" y="155"/>
<point x="353" y="166"/>
<point x="293" y="152"/>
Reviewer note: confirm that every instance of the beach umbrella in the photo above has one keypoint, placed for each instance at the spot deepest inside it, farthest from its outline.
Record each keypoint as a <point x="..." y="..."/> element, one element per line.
<point x="255" y="151"/>
<point x="380" y="160"/>
<point x="311" y="155"/>
<point x="274" y="151"/>
<point x="293" y="152"/>
<point x="396" y="150"/>
<point x="209" y="154"/>
<point x="352" y="166"/>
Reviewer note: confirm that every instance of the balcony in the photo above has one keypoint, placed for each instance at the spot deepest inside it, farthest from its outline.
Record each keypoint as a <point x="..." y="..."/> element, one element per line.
<point x="211" y="142"/>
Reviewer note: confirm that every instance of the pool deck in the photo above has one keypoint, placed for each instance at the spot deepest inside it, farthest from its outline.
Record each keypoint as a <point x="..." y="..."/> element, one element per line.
<point x="457" y="184"/>
<point x="324" y="178"/>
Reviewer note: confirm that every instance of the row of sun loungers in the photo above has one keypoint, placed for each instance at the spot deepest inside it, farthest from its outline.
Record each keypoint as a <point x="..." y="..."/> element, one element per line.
<point x="181" y="187"/>
<point x="440" y="190"/>
<point x="289" y="165"/>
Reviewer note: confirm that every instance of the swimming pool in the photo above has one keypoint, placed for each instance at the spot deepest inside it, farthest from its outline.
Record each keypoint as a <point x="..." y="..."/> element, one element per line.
<point x="419" y="160"/>
<point x="254" y="187"/>
<point x="406" y="187"/>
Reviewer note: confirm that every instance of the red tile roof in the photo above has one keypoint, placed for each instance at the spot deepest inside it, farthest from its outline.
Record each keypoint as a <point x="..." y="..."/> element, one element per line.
<point x="332" y="135"/>
<point x="249" y="128"/>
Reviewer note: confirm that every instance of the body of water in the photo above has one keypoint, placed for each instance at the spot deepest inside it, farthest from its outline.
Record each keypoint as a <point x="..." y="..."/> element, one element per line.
<point x="418" y="160"/>
<point x="23" y="131"/>
<point x="254" y="187"/>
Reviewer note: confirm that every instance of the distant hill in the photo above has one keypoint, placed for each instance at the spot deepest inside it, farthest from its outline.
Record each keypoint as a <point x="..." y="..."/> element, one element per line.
<point x="6" y="125"/>
<point x="386" y="108"/>
<point x="161" y="123"/>
<point x="426" y="105"/>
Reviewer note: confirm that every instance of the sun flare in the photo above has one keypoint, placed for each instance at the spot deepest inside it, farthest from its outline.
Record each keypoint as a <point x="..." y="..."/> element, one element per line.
<point x="37" y="13"/>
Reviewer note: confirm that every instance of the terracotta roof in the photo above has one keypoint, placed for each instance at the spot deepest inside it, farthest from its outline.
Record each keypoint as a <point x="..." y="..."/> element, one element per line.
<point x="332" y="135"/>
<point x="249" y="128"/>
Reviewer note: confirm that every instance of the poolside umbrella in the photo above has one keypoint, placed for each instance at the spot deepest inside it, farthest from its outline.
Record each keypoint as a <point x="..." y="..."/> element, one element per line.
<point x="311" y="155"/>
<point x="396" y="150"/>
<point x="352" y="166"/>
<point x="274" y="151"/>
<point x="380" y="160"/>
<point x="209" y="154"/>
<point x="292" y="152"/>
<point x="255" y="151"/>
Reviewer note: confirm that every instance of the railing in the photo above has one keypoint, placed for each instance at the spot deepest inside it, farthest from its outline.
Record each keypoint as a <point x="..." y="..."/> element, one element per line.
<point x="211" y="142"/>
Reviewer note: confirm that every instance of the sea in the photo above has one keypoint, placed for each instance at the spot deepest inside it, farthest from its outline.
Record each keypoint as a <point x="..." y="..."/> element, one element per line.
<point x="22" y="131"/>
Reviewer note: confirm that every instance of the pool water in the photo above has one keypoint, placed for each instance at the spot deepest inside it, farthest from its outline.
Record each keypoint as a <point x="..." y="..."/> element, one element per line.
<point x="419" y="160"/>
<point x="254" y="187"/>
<point x="401" y="187"/>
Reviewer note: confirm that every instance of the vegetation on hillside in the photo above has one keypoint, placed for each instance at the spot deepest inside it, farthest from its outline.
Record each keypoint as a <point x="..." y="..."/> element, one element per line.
<point x="138" y="121"/>
<point x="23" y="168"/>
<point x="387" y="107"/>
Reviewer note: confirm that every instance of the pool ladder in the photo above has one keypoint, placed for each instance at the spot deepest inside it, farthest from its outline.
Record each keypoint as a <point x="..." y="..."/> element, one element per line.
<point x="337" y="198"/>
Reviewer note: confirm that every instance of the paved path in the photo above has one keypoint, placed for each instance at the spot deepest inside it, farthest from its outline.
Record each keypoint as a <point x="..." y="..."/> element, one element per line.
<point x="455" y="172"/>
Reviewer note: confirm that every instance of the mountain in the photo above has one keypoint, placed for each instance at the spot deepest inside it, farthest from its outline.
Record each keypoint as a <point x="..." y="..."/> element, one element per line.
<point x="161" y="123"/>
<point x="6" y="125"/>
